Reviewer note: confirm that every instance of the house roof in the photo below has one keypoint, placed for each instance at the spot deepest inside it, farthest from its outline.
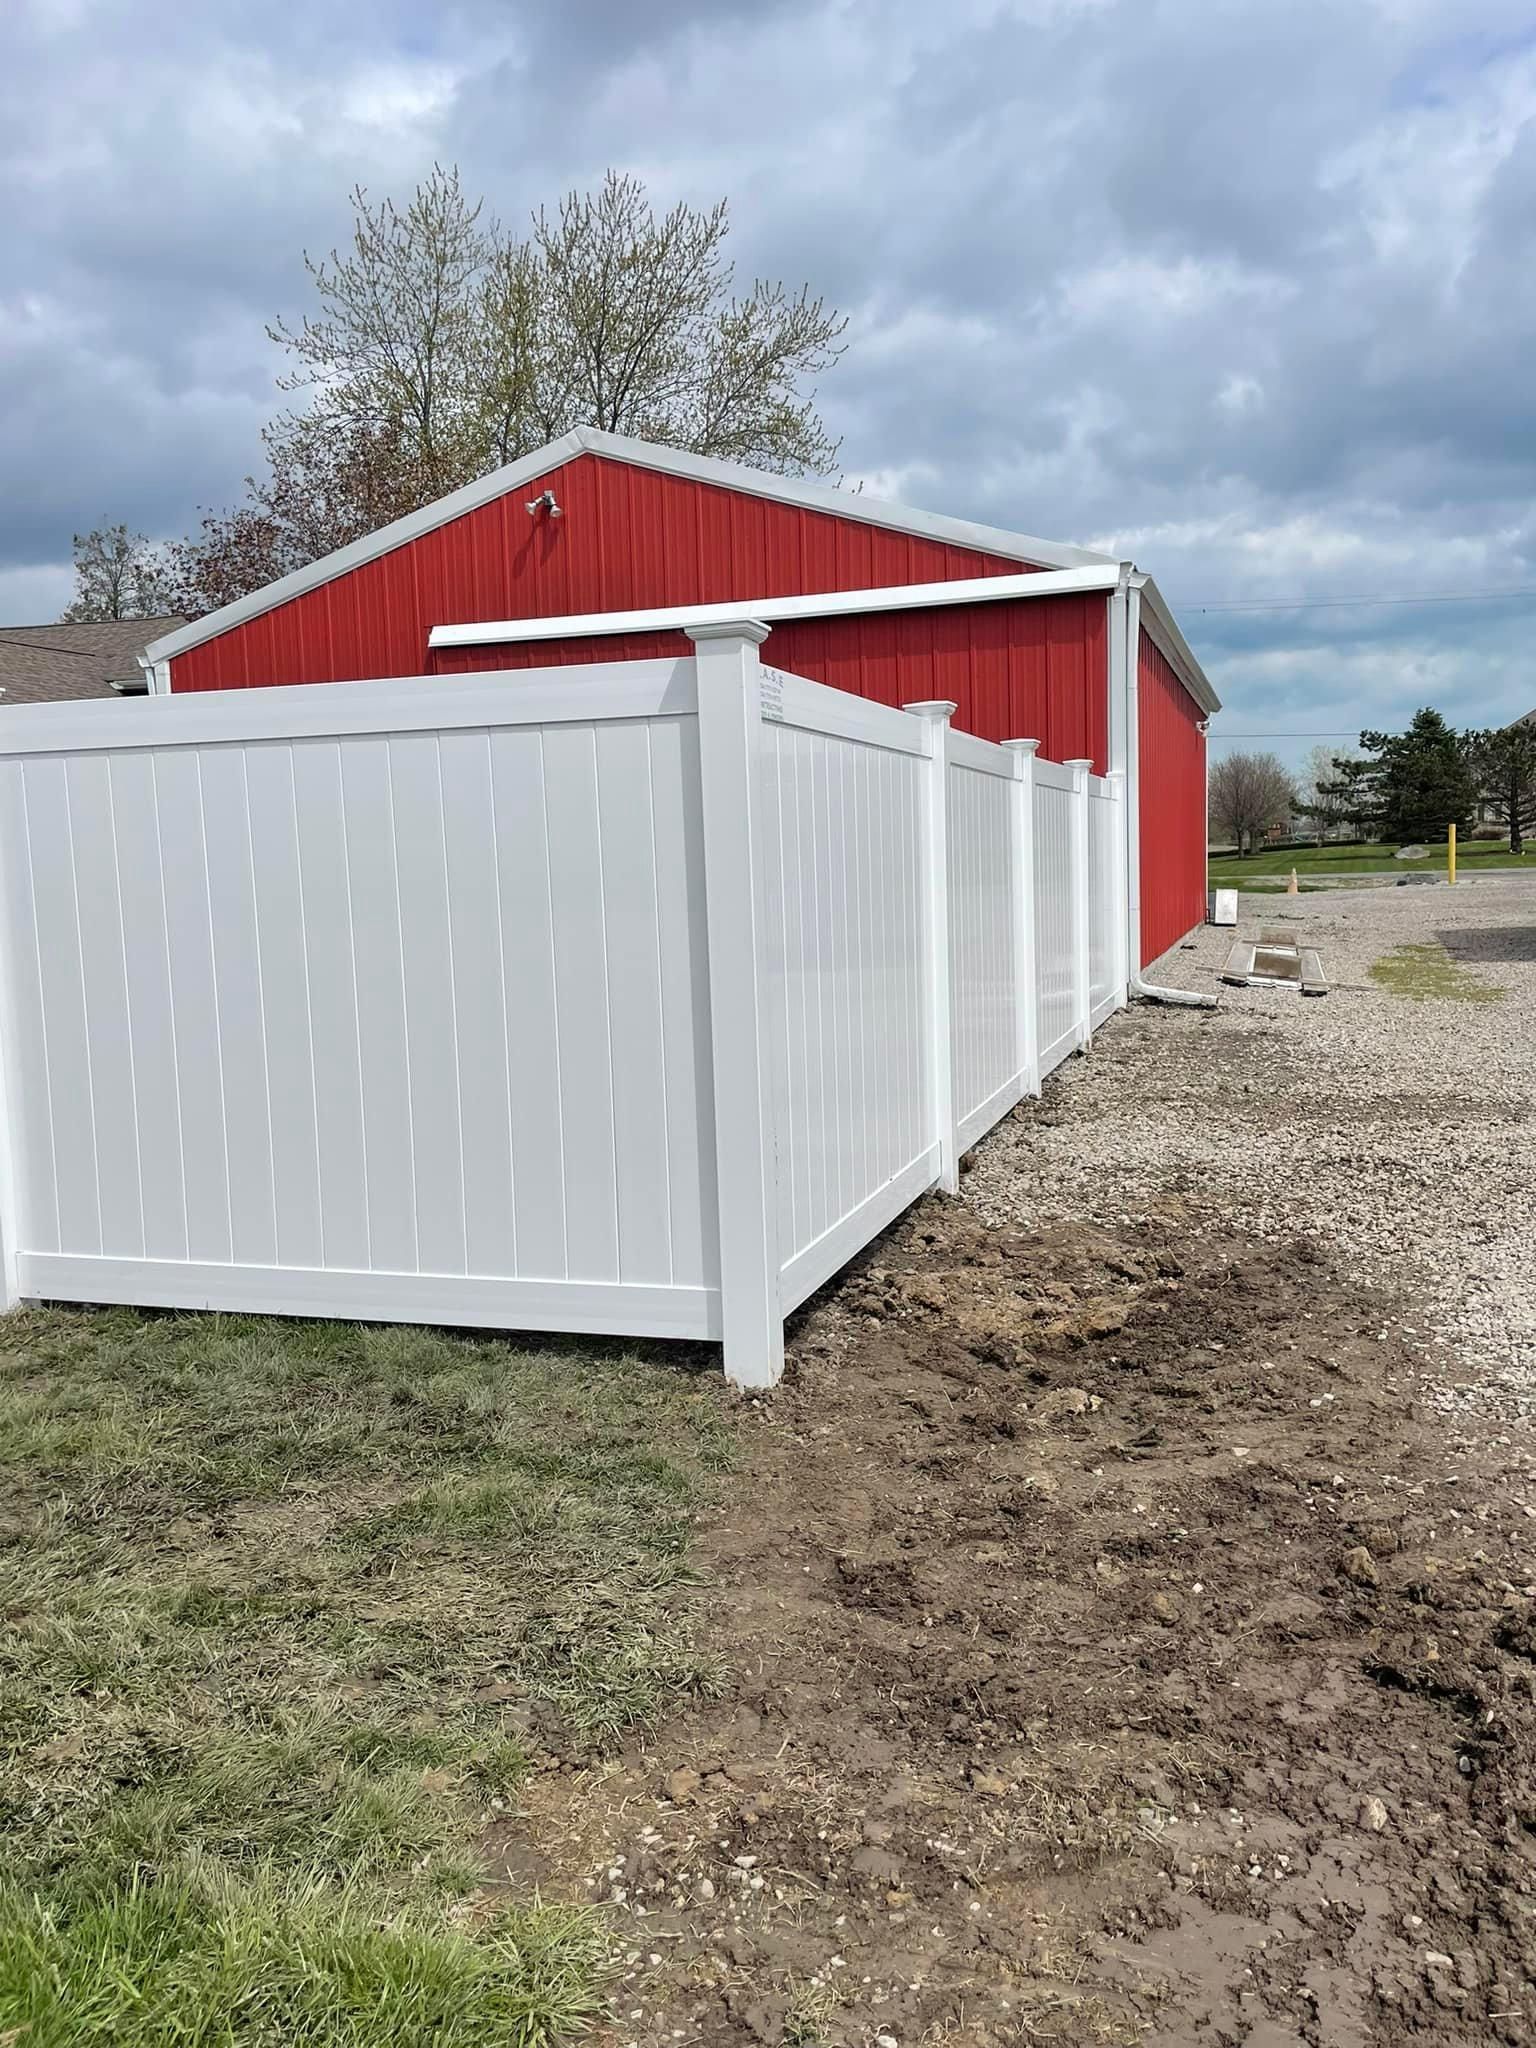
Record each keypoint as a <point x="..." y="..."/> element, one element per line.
<point x="646" y="455"/>
<point x="45" y="664"/>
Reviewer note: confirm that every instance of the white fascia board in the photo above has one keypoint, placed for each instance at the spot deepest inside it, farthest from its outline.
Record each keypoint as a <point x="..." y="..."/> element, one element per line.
<point x="1163" y="630"/>
<point x="896" y="597"/>
<point x="646" y="455"/>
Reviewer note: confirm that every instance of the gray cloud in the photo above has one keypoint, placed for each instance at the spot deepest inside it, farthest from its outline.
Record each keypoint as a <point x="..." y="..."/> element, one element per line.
<point x="1247" y="291"/>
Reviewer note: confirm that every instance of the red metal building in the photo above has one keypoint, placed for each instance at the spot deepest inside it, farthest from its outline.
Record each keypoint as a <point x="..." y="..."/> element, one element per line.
<point x="601" y="548"/>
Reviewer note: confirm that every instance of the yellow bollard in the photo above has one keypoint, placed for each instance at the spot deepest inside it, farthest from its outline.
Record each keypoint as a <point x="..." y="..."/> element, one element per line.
<point x="1450" y="857"/>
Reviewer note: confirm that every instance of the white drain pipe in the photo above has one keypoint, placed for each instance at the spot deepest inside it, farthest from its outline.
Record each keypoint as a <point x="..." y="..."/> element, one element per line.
<point x="1125" y="651"/>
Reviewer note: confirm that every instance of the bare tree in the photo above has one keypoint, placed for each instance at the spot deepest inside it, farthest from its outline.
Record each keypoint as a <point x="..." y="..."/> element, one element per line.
<point x="442" y="347"/>
<point x="1322" y="796"/>
<point x="118" y="575"/>
<point x="1249" y="795"/>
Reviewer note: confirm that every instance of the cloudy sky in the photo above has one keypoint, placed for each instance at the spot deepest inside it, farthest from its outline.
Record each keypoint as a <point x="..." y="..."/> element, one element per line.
<point x="1241" y="287"/>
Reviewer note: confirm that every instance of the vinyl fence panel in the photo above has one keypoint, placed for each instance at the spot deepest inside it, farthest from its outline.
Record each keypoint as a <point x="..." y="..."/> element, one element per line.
<point x="629" y="998"/>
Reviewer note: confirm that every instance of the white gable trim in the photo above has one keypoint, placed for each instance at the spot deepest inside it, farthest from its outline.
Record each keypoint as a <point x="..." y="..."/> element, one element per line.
<point x="1162" y="629"/>
<point x="897" y="597"/>
<point x="646" y="455"/>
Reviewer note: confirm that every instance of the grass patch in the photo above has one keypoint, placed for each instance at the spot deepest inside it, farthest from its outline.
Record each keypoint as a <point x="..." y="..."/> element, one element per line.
<point x="1427" y="973"/>
<point x="283" y="1608"/>
<point x="195" y="1960"/>
<point x="1364" y="857"/>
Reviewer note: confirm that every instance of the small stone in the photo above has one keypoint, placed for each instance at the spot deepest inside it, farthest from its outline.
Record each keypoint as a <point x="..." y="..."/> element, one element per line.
<point x="1167" y="1608"/>
<point x="1359" y="1565"/>
<point x="989" y="1784"/>
<point x="1068" y="1401"/>
<point x="682" y="1784"/>
<point x="706" y="1888"/>
<point x="1373" y="1815"/>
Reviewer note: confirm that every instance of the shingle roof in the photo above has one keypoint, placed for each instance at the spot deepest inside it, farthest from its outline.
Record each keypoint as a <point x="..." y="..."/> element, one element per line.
<point x="42" y="664"/>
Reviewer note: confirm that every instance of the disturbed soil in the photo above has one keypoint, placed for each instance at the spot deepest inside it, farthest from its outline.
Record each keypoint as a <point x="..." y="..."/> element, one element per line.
<point x="1115" y="1648"/>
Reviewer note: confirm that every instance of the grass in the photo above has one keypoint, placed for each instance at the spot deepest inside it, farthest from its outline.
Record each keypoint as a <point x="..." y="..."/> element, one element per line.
<point x="1427" y="973"/>
<point x="1476" y="856"/>
<point x="283" y="1608"/>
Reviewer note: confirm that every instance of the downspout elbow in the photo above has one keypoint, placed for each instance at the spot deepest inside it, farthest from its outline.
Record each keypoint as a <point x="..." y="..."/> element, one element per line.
<point x="1185" y="998"/>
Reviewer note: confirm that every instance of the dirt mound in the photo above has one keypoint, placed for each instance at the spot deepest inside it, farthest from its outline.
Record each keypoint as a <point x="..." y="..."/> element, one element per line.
<point x="1113" y="1660"/>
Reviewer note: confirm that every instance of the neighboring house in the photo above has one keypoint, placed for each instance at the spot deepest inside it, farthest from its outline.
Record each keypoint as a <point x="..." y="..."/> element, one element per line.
<point x="601" y="548"/>
<point x="44" y="664"/>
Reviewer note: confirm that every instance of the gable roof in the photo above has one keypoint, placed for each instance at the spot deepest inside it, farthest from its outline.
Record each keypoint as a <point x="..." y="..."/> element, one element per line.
<point x="705" y="469"/>
<point x="96" y="658"/>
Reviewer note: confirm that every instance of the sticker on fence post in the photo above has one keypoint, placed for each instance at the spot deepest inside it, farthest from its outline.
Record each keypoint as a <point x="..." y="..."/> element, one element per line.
<point x="1026" y="992"/>
<point x="1082" y="916"/>
<point x="940" y="1064"/>
<point x="730" y="690"/>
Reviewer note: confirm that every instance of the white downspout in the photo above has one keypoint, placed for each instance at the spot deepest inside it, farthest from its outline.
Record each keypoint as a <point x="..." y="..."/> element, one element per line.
<point x="1127" y="647"/>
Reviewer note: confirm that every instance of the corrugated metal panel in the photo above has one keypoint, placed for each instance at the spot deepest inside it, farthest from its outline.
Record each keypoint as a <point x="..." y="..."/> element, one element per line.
<point x="1027" y="668"/>
<point x="1172" y="793"/>
<point x="627" y="538"/>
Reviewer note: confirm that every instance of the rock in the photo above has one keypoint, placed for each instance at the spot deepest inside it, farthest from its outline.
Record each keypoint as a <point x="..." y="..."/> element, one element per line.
<point x="1167" y="1608"/>
<point x="1067" y="1401"/>
<point x="1373" y="1815"/>
<point x="1359" y="1565"/>
<point x="989" y="1784"/>
<point x="1105" y="1322"/>
<point x="682" y="1784"/>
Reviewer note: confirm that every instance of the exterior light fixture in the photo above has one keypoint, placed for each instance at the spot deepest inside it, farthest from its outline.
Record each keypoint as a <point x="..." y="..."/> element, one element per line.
<point x="544" y="502"/>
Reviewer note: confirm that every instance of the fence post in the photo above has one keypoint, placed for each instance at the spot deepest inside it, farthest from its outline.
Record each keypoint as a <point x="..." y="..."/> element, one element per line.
<point x="1026" y="990"/>
<point x="730" y="686"/>
<point x="941" y="1064"/>
<point x="1120" y="889"/>
<point x="1082" y="907"/>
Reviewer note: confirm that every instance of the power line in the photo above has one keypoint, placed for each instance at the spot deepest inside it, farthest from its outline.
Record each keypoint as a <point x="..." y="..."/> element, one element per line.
<point x="1303" y="604"/>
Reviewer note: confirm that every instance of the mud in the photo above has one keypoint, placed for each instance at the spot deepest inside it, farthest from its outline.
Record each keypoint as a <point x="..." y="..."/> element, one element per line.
<point x="1116" y="1652"/>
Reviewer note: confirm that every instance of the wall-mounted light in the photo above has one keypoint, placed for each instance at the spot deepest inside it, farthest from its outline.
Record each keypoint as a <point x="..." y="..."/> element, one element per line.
<point x="544" y="502"/>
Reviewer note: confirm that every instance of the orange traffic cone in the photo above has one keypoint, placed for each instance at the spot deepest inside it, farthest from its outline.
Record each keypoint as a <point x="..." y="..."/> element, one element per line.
<point x="1293" y="887"/>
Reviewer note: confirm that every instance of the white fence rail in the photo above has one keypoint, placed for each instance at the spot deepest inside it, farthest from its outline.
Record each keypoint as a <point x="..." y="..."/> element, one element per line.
<point x="629" y="999"/>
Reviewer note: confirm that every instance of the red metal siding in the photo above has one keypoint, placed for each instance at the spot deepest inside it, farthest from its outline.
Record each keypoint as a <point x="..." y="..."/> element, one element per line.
<point x="1172" y="805"/>
<point x="628" y="538"/>
<point x="1029" y="668"/>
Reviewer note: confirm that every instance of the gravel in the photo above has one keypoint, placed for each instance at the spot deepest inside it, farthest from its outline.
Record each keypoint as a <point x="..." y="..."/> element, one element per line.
<point x="1397" y="1130"/>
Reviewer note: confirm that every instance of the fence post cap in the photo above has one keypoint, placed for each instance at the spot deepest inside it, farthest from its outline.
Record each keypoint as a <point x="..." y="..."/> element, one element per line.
<point x="938" y="707"/>
<point x="731" y="629"/>
<point x="1023" y="746"/>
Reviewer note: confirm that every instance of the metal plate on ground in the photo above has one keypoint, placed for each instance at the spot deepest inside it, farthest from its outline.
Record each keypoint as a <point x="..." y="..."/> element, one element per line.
<point x="1277" y="961"/>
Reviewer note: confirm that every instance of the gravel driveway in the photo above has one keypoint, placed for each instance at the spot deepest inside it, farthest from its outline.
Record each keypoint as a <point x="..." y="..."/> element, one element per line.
<point x="1396" y="1126"/>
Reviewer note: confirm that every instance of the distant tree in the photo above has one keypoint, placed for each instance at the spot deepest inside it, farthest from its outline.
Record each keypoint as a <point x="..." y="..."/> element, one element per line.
<point x="1324" y="796"/>
<point x="442" y="347"/>
<point x="1249" y="795"/>
<point x="1503" y="766"/>
<point x="1421" y="779"/>
<point x="1348" y="798"/>
<point x="118" y="575"/>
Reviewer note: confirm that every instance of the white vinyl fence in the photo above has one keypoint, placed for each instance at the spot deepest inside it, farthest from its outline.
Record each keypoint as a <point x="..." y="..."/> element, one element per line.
<point x="629" y="999"/>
